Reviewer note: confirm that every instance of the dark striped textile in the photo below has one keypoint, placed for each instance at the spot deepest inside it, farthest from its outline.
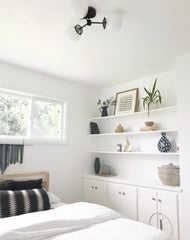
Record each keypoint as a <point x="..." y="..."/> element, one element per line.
<point x="10" y="154"/>
<point x="14" y="203"/>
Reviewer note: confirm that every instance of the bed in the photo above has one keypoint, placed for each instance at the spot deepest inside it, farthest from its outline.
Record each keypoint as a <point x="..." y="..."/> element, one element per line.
<point x="74" y="221"/>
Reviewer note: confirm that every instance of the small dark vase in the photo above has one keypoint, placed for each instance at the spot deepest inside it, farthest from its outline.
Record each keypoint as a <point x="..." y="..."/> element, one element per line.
<point x="97" y="165"/>
<point x="164" y="145"/>
<point x="104" y="111"/>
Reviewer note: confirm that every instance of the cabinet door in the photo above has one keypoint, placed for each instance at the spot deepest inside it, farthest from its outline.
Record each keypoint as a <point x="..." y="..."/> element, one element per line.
<point x="147" y="206"/>
<point x="123" y="199"/>
<point x="168" y="205"/>
<point x="95" y="191"/>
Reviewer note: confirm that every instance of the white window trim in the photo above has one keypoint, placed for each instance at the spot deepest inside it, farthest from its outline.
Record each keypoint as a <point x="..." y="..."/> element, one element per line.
<point x="28" y="141"/>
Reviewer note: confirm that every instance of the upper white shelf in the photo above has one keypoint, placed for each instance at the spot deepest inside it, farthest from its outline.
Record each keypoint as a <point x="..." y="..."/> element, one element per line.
<point x="135" y="133"/>
<point x="134" y="114"/>
<point x="136" y="153"/>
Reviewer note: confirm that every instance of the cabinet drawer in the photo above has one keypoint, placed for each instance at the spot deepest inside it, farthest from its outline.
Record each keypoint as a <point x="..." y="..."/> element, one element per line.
<point x="123" y="199"/>
<point x="95" y="191"/>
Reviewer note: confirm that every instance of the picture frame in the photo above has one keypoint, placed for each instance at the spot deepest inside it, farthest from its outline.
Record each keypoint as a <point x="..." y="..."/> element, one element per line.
<point x="126" y="101"/>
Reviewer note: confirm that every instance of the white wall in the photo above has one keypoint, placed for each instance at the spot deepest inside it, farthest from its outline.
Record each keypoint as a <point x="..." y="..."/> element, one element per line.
<point x="166" y="83"/>
<point x="183" y="87"/>
<point x="139" y="167"/>
<point x="66" y="163"/>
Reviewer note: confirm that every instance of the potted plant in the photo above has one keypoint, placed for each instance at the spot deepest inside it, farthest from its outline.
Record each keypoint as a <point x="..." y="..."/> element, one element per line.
<point x="104" y="105"/>
<point x="153" y="96"/>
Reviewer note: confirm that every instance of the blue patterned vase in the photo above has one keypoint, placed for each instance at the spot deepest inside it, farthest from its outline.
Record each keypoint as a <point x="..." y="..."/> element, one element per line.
<point x="164" y="145"/>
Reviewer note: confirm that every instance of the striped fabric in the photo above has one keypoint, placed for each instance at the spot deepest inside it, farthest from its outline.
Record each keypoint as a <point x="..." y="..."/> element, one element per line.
<point x="14" y="203"/>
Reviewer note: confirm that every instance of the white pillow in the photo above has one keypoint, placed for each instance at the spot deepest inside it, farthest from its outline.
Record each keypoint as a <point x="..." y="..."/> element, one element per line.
<point x="53" y="198"/>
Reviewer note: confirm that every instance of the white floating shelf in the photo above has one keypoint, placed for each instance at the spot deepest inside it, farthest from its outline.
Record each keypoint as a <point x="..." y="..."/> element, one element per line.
<point x="136" y="153"/>
<point x="135" y="133"/>
<point x="134" y="114"/>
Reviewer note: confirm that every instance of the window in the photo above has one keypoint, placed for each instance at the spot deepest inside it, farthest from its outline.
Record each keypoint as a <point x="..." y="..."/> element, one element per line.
<point x="46" y="119"/>
<point x="29" y="117"/>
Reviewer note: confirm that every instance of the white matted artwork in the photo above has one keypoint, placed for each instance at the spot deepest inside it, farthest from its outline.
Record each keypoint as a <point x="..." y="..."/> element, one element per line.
<point x="126" y="101"/>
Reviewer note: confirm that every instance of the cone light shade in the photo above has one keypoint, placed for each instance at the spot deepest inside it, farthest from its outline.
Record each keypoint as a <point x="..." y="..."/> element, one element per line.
<point x="79" y="8"/>
<point x="72" y="34"/>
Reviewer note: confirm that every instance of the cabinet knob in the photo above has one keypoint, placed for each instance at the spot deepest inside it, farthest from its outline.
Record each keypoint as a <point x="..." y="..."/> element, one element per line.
<point x="92" y="187"/>
<point x="153" y="199"/>
<point x="119" y="192"/>
<point x="123" y="193"/>
<point x="159" y="200"/>
<point x="96" y="187"/>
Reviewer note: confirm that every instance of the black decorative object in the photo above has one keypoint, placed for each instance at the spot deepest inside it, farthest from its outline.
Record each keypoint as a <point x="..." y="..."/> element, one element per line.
<point x="97" y="165"/>
<point x="94" y="128"/>
<point x="104" y="112"/>
<point x="164" y="145"/>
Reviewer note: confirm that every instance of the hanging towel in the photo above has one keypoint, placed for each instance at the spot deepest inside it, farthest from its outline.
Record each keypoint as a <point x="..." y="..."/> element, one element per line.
<point x="10" y="154"/>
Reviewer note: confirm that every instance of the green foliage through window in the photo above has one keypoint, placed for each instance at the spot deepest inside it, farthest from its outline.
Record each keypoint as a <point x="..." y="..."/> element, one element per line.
<point x="46" y="119"/>
<point x="15" y="120"/>
<point x="13" y="115"/>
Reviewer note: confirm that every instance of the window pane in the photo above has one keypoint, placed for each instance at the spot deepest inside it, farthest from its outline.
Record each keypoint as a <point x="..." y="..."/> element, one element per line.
<point x="46" y="119"/>
<point x="14" y="114"/>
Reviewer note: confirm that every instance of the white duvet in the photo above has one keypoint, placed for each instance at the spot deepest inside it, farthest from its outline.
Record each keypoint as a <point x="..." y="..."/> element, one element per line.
<point x="77" y="221"/>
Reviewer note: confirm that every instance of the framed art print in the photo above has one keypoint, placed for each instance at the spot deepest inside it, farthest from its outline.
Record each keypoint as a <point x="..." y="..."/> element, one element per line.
<point x="126" y="101"/>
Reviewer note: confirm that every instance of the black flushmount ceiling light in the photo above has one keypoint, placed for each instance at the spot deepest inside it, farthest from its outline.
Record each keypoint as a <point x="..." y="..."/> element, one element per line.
<point x="81" y="10"/>
<point x="90" y="14"/>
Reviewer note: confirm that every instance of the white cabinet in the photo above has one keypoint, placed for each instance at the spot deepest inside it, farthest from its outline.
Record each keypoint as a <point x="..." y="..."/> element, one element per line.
<point x="168" y="205"/>
<point x="160" y="209"/>
<point x="123" y="199"/>
<point x="95" y="191"/>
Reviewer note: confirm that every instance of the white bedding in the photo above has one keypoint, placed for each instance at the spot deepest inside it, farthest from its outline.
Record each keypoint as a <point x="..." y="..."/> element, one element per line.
<point x="58" y="204"/>
<point x="77" y="221"/>
<point x="118" y="229"/>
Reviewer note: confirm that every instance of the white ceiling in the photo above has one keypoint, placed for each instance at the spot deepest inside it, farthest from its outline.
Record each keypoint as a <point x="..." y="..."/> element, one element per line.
<point x="154" y="32"/>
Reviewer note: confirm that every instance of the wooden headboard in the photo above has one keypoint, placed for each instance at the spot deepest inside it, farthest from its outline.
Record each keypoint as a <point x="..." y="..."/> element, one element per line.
<point x="28" y="176"/>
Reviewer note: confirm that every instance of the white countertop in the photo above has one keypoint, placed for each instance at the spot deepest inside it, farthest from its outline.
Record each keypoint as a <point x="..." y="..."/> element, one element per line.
<point x="140" y="183"/>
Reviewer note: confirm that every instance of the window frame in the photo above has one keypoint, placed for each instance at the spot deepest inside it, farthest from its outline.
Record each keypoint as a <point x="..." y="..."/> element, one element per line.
<point x="29" y="139"/>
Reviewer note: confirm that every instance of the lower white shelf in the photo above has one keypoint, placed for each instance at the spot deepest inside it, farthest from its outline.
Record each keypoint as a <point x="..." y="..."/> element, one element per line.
<point x="136" y="153"/>
<point x="140" y="183"/>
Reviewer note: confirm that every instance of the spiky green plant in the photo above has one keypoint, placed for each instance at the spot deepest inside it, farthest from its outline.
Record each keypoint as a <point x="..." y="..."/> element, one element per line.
<point x="152" y="96"/>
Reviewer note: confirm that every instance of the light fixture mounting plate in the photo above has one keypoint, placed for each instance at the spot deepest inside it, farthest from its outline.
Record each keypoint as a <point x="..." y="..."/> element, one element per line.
<point x="104" y="22"/>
